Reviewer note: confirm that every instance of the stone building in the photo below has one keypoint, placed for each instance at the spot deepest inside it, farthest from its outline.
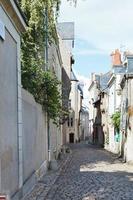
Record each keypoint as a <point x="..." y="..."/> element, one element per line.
<point x="66" y="84"/>
<point x="66" y="42"/>
<point x="44" y="137"/>
<point x="104" y="98"/>
<point x="12" y="24"/>
<point x="111" y="93"/>
<point x="84" y="124"/>
<point x="75" y="101"/>
<point x="114" y="100"/>
<point x="94" y="110"/>
<point x="126" y="126"/>
<point x="55" y="65"/>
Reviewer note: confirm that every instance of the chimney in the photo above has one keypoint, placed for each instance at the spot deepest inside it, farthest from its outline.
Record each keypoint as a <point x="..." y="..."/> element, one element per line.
<point x="92" y="76"/>
<point x="116" y="58"/>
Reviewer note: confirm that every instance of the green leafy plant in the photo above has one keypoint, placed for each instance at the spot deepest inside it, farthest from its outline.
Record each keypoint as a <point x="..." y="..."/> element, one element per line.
<point x="116" y="120"/>
<point x="43" y="85"/>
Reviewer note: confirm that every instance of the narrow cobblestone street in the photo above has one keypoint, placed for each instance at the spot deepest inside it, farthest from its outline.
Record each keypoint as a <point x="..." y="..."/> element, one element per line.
<point x="93" y="173"/>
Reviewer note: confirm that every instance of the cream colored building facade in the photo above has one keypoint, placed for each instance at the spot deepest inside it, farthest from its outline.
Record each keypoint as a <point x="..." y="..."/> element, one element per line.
<point x="114" y="105"/>
<point x="12" y="24"/>
<point x="73" y="123"/>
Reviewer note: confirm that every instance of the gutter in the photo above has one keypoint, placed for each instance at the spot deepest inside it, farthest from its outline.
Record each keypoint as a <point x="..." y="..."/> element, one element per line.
<point x="21" y="12"/>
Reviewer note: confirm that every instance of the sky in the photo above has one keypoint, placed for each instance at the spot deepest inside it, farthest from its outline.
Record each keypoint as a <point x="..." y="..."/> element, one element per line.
<point x="101" y="26"/>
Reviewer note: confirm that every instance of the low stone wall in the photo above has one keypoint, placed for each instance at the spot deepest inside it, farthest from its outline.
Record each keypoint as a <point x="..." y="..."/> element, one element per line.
<point x="34" y="141"/>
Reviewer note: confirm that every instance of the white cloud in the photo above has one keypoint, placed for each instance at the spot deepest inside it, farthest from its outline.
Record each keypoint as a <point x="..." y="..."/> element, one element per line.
<point x="89" y="52"/>
<point x="85" y="81"/>
<point x="105" y="24"/>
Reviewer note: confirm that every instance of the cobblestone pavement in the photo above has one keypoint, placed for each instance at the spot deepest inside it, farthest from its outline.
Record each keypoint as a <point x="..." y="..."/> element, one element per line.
<point x="93" y="174"/>
<point x="43" y="186"/>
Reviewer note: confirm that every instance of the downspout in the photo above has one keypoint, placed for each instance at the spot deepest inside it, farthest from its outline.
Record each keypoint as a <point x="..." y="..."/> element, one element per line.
<point x="125" y="136"/>
<point x="124" y="131"/>
<point x="20" y="123"/>
<point x="47" y="68"/>
<point x="0" y="176"/>
<point x="115" y="95"/>
<point x="114" y="109"/>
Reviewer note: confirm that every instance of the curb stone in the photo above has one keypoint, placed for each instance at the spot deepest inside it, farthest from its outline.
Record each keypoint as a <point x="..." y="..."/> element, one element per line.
<point x="62" y="169"/>
<point x="43" y="186"/>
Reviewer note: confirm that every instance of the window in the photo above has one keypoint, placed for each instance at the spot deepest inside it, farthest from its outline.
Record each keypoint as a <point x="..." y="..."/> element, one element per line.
<point x="68" y="122"/>
<point x="69" y="104"/>
<point x="71" y="122"/>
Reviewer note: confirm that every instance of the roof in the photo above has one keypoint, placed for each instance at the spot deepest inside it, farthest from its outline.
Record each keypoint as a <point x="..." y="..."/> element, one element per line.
<point x="73" y="77"/>
<point x="90" y="86"/>
<point x="95" y="80"/>
<point x="97" y="101"/>
<point x="130" y="64"/>
<point x="66" y="30"/>
<point x="84" y="110"/>
<point x="80" y="89"/>
<point x="122" y="69"/>
<point x="111" y="80"/>
<point x="104" y="81"/>
<point x="119" y="69"/>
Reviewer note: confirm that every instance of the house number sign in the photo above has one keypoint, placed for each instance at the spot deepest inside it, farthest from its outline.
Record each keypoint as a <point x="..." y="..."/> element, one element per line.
<point x="2" y="30"/>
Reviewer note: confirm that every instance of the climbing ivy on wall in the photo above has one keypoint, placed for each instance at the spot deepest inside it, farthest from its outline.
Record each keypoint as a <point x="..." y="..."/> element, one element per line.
<point x="43" y="85"/>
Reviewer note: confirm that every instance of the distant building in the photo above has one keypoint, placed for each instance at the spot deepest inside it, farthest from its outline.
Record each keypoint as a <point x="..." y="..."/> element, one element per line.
<point x="111" y="93"/>
<point x="66" y="31"/>
<point x="84" y="124"/>
<point x="126" y="126"/>
<point x="95" y="128"/>
<point x="75" y="103"/>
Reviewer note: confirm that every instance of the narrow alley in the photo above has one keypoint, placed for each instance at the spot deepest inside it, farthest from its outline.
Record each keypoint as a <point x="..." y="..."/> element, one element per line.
<point x="66" y="103"/>
<point x="93" y="174"/>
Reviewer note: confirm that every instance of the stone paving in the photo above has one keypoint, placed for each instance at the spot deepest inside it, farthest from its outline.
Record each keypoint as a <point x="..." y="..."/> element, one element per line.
<point x="93" y="174"/>
<point x="42" y="187"/>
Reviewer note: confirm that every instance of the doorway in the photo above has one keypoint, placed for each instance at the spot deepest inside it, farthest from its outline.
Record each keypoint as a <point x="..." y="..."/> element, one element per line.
<point x="71" y="138"/>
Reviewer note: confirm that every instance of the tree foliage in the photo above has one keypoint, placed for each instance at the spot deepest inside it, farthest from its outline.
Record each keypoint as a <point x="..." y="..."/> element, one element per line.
<point x="116" y="120"/>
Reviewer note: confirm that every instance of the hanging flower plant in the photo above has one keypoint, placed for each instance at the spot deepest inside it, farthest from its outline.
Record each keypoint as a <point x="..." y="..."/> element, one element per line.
<point x="116" y="120"/>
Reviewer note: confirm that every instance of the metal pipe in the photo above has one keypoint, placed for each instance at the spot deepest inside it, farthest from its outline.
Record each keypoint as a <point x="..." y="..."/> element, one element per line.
<point x="46" y="38"/>
<point x="47" y="68"/>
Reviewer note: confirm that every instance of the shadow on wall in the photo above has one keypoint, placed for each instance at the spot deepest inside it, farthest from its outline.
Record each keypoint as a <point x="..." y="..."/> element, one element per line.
<point x="98" y="134"/>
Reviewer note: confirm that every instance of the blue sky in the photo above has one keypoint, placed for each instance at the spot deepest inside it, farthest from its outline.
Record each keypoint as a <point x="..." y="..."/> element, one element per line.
<point x="101" y="26"/>
<point x="87" y="60"/>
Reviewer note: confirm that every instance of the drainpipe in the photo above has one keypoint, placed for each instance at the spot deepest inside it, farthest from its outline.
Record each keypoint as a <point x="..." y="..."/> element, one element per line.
<point x="47" y="68"/>
<point x="46" y="38"/>
<point x="125" y="136"/>
<point x="19" y="126"/>
<point x="0" y="176"/>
